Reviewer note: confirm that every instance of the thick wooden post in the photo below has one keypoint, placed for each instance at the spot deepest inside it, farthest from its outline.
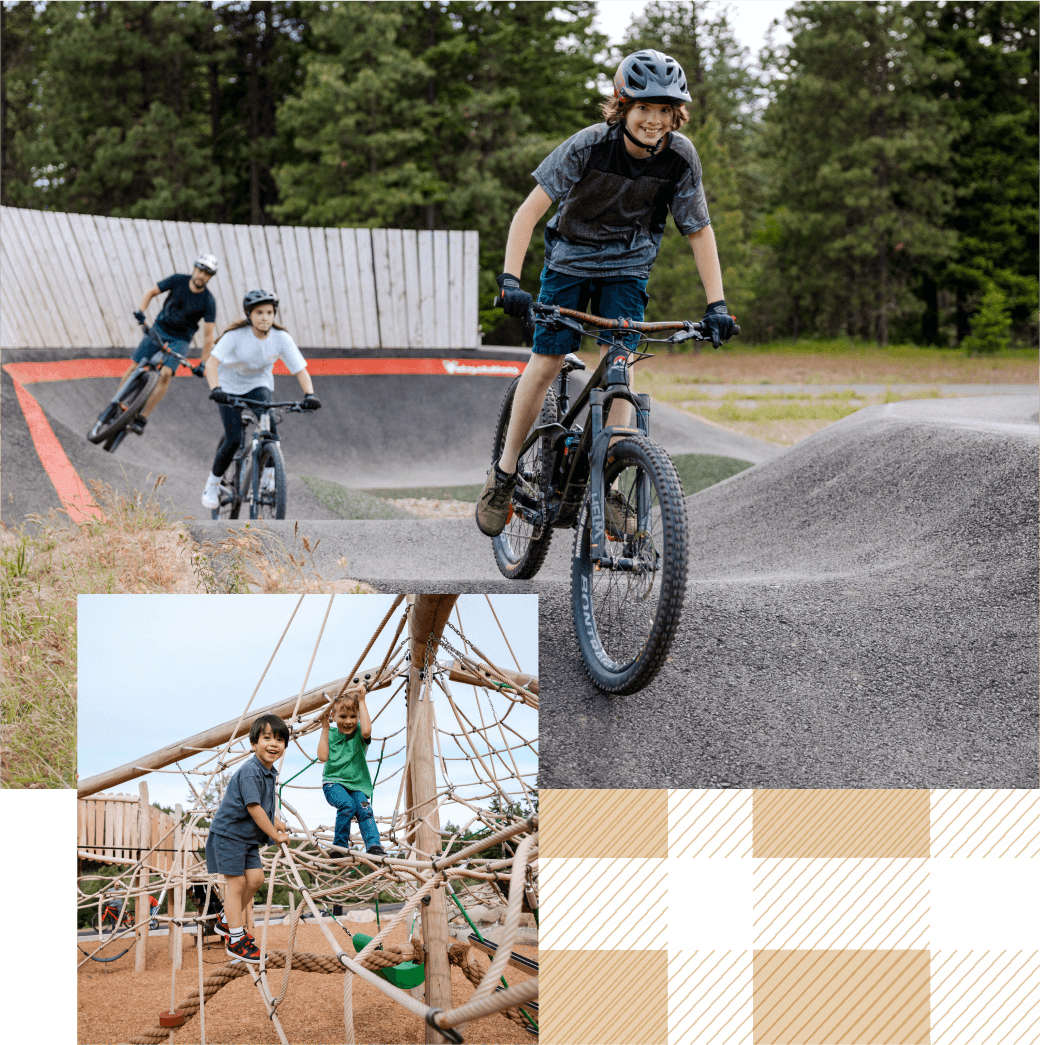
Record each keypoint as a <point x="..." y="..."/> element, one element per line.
<point x="426" y="622"/>
<point x="144" y="832"/>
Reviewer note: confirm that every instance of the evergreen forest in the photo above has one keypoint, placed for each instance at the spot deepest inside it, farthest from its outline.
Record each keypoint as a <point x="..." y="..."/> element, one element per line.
<point x="873" y="179"/>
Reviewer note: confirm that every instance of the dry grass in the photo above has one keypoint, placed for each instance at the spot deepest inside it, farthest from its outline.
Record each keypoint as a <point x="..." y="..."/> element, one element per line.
<point x="138" y="547"/>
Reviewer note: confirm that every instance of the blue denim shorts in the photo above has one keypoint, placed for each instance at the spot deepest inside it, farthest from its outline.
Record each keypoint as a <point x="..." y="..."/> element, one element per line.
<point x="613" y="298"/>
<point x="147" y="348"/>
<point x="231" y="856"/>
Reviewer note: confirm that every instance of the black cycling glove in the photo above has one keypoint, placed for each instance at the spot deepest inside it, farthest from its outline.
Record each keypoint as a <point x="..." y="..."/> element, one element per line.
<point x="311" y="402"/>
<point x="515" y="302"/>
<point x="218" y="395"/>
<point x="139" y="316"/>
<point x="718" y="322"/>
<point x="199" y="371"/>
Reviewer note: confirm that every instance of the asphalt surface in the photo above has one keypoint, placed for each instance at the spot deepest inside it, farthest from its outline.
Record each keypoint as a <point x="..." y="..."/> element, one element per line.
<point x="861" y="609"/>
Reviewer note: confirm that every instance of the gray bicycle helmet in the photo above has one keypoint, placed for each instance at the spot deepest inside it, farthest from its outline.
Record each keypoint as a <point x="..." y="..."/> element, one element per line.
<point x="259" y="297"/>
<point x="206" y="262"/>
<point x="650" y="76"/>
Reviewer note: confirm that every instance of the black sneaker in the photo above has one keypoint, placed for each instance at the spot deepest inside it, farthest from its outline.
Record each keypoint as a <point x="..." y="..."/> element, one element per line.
<point x="244" y="949"/>
<point x="376" y="850"/>
<point x="220" y="926"/>
<point x="137" y="424"/>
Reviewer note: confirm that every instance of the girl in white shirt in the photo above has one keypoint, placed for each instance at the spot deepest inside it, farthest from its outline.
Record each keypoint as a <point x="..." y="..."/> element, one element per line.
<point x="242" y="364"/>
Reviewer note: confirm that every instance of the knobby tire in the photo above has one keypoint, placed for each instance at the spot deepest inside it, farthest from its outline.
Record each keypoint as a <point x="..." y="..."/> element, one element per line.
<point x="271" y="504"/>
<point x="626" y="621"/>
<point x="116" y="416"/>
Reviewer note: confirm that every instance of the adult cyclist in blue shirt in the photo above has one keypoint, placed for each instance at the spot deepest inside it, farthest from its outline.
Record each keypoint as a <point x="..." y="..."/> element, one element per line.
<point x="187" y="303"/>
<point x="615" y="183"/>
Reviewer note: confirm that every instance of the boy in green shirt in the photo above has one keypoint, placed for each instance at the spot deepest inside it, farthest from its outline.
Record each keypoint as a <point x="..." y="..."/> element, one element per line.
<point x="347" y="783"/>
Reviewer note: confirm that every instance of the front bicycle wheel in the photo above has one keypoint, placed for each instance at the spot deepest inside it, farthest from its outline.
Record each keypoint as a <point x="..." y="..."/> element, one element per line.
<point x="118" y="414"/>
<point x="519" y="549"/>
<point x="270" y="501"/>
<point x="626" y="617"/>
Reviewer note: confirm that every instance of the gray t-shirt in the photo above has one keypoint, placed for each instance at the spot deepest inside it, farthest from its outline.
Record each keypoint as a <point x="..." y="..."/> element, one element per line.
<point x="613" y="206"/>
<point x="247" y="361"/>
<point x="252" y="783"/>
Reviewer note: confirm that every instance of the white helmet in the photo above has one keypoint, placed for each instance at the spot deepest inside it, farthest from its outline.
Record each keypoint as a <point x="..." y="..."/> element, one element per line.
<point x="206" y="262"/>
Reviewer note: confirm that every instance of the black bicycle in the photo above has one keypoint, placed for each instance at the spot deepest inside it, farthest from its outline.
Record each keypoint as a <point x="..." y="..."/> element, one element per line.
<point x="256" y="478"/>
<point x="618" y="488"/>
<point x="124" y="407"/>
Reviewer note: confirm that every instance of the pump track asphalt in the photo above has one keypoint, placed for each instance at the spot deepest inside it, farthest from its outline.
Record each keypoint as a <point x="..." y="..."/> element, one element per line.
<point x="861" y="608"/>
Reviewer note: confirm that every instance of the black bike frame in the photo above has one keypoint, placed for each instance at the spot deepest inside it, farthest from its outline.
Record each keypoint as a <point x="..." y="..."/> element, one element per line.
<point x="260" y="435"/>
<point x="609" y="381"/>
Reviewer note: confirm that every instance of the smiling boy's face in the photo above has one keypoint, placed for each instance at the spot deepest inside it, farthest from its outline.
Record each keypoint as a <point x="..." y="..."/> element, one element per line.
<point x="346" y="717"/>
<point x="268" y="747"/>
<point x="647" y="121"/>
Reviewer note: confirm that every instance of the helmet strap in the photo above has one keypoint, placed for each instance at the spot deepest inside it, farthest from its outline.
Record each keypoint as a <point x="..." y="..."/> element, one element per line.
<point x="649" y="148"/>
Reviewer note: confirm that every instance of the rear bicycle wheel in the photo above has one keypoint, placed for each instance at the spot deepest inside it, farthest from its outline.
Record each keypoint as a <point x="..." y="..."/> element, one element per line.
<point x="117" y="415"/>
<point x="271" y="499"/>
<point x="626" y="619"/>
<point x="519" y="550"/>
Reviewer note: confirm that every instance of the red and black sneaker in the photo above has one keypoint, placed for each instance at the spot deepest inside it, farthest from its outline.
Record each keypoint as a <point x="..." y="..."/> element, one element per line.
<point x="244" y="949"/>
<point x="220" y="926"/>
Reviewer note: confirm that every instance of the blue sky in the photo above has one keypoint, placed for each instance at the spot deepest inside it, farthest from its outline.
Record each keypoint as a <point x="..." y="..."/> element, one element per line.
<point x="155" y="669"/>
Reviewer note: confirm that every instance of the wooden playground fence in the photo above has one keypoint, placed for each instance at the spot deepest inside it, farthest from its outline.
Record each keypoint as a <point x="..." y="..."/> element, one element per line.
<point x="72" y="281"/>
<point x="116" y="829"/>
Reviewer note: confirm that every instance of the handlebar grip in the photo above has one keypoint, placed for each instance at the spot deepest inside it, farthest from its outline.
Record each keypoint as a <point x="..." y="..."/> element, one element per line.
<point x="529" y="317"/>
<point x="736" y="329"/>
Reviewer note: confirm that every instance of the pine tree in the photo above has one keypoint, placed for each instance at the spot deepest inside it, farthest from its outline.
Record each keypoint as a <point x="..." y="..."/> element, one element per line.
<point x="990" y="81"/>
<point x="861" y="154"/>
<point x="991" y="324"/>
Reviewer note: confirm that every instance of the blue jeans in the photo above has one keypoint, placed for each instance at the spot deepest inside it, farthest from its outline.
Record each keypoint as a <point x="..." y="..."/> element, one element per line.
<point x="146" y="349"/>
<point x="613" y="298"/>
<point x="351" y="804"/>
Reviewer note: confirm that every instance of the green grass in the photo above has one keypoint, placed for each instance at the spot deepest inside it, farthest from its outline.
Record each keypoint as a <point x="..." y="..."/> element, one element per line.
<point x="433" y="493"/>
<point x="699" y="471"/>
<point x="351" y="504"/>
<point x="848" y="347"/>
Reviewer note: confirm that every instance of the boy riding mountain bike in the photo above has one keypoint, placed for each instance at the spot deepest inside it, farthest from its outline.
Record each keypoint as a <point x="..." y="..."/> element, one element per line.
<point x="615" y="182"/>
<point x="188" y="301"/>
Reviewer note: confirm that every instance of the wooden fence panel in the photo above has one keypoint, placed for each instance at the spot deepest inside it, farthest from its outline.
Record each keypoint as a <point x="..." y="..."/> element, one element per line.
<point x="280" y="281"/>
<point x="357" y="258"/>
<point x="398" y="290"/>
<point x="443" y="303"/>
<point x="80" y="313"/>
<point x="388" y="335"/>
<point x="37" y="291"/>
<point x="470" y="289"/>
<point x="208" y="239"/>
<point x="338" y="288"/>
<point x="264" y="272"/>
<point x="18" y="327"/>
<point x="309" y="283"/>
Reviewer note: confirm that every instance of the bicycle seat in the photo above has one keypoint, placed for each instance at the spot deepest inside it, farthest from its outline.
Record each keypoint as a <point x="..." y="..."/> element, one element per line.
<point x="572" y="362"/>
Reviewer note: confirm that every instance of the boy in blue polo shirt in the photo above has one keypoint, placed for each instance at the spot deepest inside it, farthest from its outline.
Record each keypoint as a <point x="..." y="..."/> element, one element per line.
<point x="244" y="822"/>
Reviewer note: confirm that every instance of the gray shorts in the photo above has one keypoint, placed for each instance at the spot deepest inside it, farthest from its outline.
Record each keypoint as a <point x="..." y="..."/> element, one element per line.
<point x="231" y="856"/>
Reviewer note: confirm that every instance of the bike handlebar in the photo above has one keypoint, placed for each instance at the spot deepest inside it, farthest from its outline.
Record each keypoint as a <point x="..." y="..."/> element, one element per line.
<point x="537" y="308"/>
<point x="293" y="406"/>
<point x="150" y="332"/>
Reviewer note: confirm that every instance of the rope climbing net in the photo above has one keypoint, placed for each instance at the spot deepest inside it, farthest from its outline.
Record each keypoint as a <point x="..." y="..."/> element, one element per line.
<point x="464" y="752"/>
